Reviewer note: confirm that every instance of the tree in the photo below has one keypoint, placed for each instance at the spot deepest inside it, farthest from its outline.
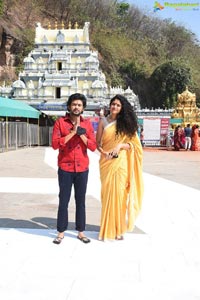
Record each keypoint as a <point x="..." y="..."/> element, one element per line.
<point x="1" y="7"/>
<point x="122" y="8"/>
<point x="132" y="70"/>
<point x="168" y="80"/>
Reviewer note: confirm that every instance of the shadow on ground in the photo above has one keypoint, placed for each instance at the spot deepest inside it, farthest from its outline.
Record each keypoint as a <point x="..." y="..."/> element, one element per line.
<point x="47" y="223"/>
<point x="39" y="223"/>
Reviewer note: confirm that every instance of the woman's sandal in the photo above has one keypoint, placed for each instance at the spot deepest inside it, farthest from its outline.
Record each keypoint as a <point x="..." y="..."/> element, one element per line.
<point x="58" y="240"/>
<point x="119" y="238"/>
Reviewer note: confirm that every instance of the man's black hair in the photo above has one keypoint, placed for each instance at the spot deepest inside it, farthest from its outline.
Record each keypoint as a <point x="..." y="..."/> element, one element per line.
<point x="77" y="96"/>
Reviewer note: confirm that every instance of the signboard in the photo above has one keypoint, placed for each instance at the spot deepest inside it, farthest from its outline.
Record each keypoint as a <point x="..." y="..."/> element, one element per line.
<point x="151" y="128"/>
<point x="164" y="130"/>
<point x="95" y="122"/>
<point x="156" y="130"/>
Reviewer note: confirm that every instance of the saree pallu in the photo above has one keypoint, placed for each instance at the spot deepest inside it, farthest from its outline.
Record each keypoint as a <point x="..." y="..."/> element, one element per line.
<point x="121" y="185"/>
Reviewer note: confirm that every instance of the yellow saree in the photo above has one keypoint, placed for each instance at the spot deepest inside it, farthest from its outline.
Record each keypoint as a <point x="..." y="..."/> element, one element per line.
<point x="121" y="185"/>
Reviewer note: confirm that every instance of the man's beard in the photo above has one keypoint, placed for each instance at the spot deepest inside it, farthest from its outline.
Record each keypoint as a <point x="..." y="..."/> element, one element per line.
<point x="75" y="114"/>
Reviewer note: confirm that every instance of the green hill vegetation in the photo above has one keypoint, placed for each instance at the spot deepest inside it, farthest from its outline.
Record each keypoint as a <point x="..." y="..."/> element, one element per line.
<point x="156" y="58"/>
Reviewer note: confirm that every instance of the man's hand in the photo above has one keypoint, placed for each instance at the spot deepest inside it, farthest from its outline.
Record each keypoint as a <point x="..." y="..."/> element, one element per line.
<point x="80" y="130"/>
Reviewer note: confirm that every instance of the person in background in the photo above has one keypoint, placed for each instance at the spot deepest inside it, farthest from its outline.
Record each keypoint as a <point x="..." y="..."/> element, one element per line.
<point x="120" y="169"/>
<point x="142" y="136"/>
<point x="73" y="135"/>
<point x="179" y="138"/>
<point x="195" y="138"/>
<point x="187" y="131"/>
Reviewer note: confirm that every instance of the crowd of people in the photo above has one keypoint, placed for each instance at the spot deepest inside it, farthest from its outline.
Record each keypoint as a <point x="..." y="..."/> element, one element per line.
<point x="187" y="138"/>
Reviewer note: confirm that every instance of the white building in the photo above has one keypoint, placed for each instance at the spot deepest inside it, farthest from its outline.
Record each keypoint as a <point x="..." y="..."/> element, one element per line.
<point x="61" y="64"/>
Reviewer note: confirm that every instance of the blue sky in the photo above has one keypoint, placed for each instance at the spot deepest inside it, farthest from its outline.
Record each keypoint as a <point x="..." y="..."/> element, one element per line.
<point x="189" y="18"/>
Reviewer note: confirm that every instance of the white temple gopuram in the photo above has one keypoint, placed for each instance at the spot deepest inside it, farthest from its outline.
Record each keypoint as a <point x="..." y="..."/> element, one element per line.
<point x="61" y="64"/>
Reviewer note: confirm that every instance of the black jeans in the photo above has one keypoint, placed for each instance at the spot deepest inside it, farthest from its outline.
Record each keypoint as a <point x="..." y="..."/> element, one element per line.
<point x="66" y="180"/>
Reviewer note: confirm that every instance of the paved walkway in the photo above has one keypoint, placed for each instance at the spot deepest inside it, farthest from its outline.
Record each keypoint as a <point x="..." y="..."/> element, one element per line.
<point x="159" y="261"/>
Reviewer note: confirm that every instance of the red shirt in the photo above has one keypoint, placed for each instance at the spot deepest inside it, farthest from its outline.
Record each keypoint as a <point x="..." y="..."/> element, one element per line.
<point x="73" y="155"/>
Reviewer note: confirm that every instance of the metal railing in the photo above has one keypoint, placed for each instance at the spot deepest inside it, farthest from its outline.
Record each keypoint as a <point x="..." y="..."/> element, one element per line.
<point x="21" y="134"/>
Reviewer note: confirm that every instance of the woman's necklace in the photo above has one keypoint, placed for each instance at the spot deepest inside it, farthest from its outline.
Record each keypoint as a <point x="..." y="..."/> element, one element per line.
<point x="109" y="119"/>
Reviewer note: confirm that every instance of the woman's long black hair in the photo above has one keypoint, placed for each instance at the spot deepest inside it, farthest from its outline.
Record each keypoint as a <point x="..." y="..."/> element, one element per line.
<point x="127" y="122"/>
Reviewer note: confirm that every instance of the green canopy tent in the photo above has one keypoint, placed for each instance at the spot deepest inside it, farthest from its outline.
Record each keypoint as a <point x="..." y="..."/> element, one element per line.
<point x="15" y="108"/>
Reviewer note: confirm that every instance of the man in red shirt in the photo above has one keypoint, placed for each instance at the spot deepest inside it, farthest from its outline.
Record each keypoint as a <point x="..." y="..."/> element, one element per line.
<point x="73" y="135"/>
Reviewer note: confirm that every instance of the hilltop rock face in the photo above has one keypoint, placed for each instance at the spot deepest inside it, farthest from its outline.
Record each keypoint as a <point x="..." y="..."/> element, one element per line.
<point x="17" y="17"/>
<point x="8" y="44"/>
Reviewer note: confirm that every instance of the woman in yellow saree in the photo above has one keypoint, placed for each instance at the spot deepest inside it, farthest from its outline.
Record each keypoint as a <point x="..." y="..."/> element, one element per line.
<point x="120" y="170"/>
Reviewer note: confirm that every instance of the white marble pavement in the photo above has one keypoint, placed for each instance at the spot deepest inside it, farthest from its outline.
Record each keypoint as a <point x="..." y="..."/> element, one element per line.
<point x="160" y="260"/>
